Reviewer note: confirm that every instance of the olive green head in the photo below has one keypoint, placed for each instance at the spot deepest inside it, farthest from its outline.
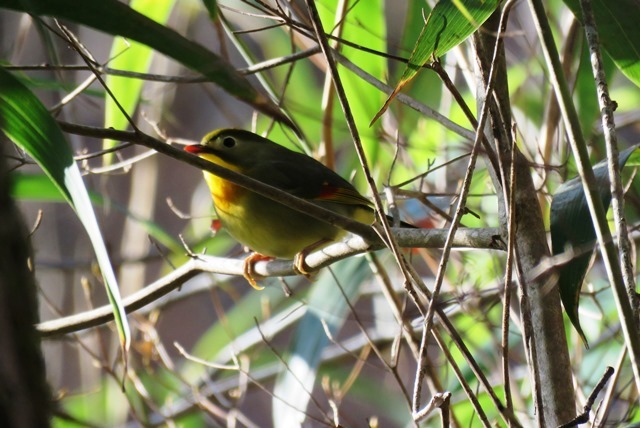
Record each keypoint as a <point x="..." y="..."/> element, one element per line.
<point x="239" y="148"/>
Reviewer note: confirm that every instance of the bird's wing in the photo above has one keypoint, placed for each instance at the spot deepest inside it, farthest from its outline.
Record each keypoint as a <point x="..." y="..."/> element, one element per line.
<point x="342" y="195"/>
<point x="308" y="179"/>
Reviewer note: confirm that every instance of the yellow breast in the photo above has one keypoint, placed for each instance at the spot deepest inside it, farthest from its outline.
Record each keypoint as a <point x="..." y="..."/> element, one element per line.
<point x="225" y="194"/>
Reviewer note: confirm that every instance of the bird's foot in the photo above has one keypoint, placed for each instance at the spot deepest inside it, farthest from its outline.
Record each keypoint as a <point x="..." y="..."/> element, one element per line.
<point x="247" y="268"/>
<point x="300" y="266"/>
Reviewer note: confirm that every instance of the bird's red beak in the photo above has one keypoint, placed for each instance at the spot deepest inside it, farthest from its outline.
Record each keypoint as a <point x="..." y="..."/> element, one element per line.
<point x="195" y="148"/>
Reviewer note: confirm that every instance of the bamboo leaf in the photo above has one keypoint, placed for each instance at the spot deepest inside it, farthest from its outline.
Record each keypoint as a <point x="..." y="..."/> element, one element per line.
<point x="448" y="25"/>
<point x="114" y="17"/>
<point x="28" y="124"/>
<point x="130" y="56"/>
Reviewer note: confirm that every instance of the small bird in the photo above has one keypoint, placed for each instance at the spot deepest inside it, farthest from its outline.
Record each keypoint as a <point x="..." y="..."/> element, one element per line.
<point x="269" y="228"/>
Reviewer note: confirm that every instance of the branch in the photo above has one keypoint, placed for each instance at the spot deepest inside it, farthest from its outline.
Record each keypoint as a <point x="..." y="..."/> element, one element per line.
<point x="583" y="417"/>
<point x="423" y="238"/>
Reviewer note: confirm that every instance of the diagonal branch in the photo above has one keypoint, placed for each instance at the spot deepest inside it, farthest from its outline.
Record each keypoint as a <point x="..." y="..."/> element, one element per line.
<point x="430" y="238"/>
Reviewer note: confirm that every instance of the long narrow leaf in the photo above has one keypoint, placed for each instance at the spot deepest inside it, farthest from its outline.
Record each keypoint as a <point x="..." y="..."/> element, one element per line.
<point x="28" y="124"/>
<point x="448" y="25"/>
<point x="130" y="56"/>
<point x="114" y="17"/>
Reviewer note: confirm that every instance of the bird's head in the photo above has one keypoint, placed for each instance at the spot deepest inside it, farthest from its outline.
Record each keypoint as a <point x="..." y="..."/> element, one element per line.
<point x="234" y="148"/>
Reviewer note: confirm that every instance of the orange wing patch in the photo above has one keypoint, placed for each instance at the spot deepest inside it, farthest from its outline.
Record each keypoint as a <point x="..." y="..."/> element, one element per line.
<point x="342" y="195"/>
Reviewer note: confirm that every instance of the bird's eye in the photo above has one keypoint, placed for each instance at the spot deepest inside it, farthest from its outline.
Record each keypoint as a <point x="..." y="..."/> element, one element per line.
<point x="229" y="142"/>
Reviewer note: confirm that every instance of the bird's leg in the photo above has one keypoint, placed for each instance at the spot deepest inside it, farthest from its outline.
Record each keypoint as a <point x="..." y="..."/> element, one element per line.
<point x="299" y="265"/>
<point x="247" y="268"/>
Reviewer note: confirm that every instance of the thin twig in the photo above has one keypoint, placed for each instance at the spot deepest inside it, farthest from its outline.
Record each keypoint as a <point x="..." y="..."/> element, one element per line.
<point x="583" y="417"/>
<point x="99" y="153"/>
<point x="125" y="164"/>
<point x="91" y="63"/>
<point x="392" y="369"/>
<point x="407" y="100"/>
<point x="473" y="364"/>
<point x="508" y="277"/>
<point x="475" y="403"/>
<point x="460" y="211"/>
<point x="602" y="414"/>
<point x="71" y="95"/>
<point x="437" y="401"/>
<point x="288" y="368"/>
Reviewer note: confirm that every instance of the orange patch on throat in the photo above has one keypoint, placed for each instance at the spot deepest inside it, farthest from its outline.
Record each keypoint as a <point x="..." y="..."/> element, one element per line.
<point x="224" y="192"/>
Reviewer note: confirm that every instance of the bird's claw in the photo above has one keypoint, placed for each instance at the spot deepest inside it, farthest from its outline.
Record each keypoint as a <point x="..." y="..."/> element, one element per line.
<point x="300" y="266"/>
<point x="247" y="269"/>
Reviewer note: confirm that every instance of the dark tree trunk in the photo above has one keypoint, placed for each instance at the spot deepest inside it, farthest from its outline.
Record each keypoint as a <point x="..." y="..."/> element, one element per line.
<point x="24" y="394"/>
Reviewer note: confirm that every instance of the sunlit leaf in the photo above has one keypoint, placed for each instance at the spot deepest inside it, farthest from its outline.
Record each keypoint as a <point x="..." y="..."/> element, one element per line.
<point x="363" y="28"/>
<point x="28" y="124"/>
<point x="37" y="187"/>
<point x="114" y="17"/>
<point x="130" y="56"/>
<point x="448" y="25"/>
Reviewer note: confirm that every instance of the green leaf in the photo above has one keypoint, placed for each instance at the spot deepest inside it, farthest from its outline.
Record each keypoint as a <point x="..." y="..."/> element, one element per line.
<point x="114" y="17"/>
<point x="448" y="25"/>
<point x="212" y="8"/>
<point x="618" y="31"/>
<point x="28" y="124"/>
<point x="39" y="187"/>
<point x="130" y="56"/>
<point x="572" y="228"/>
<point x="326" y="302"/>
<point x="105" y="403"/>
<point x="363" y="28"/>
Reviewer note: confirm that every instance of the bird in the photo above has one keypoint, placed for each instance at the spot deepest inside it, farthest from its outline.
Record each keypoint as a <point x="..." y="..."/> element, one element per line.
<point x="267" y="227"/>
